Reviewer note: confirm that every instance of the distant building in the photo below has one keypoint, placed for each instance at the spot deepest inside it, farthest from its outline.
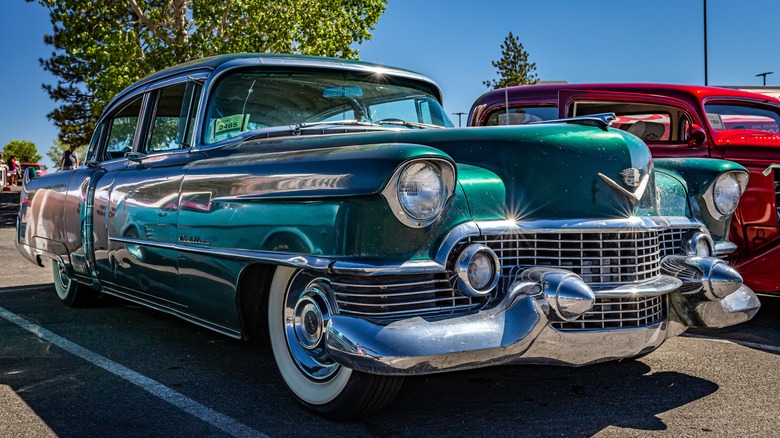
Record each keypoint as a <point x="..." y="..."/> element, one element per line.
<point x="767" y="90"/>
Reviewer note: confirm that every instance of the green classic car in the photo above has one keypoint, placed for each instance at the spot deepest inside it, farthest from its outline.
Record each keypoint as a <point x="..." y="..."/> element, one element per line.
<point x="330" y="207"/>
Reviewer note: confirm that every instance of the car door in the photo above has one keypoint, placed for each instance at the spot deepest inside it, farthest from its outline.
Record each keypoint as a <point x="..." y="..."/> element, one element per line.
<point x="671" y="127"/>
<point x="142" y="200"/>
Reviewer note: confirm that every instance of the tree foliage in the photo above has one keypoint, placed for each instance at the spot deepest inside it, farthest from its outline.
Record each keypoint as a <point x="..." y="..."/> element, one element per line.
<point x="513" y="68"/>
<point x="25" y="151"/>
<point x="101" y="47"/>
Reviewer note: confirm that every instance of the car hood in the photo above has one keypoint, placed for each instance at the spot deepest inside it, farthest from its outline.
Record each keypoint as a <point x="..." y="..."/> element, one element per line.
<point x="554" y="171"/>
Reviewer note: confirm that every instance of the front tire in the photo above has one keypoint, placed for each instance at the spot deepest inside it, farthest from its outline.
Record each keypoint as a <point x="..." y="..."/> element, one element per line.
<point x="69" y="291"/>
<point x="298" y="312"/>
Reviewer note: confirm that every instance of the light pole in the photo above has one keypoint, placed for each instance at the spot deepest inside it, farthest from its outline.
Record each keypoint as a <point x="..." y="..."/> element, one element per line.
<point x="459" y="115"/>
<point x="763" y="75"/>
<point x="705" y="43"/>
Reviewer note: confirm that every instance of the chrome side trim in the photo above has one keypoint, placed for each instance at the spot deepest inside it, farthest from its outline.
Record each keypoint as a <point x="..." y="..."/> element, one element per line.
<point x="314" y="263"/>
<point x="233" y="333"/>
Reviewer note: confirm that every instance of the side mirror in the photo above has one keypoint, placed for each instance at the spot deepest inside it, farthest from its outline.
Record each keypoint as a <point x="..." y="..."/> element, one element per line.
<point x="29" y="174"/>
<point x="696" y="135"/>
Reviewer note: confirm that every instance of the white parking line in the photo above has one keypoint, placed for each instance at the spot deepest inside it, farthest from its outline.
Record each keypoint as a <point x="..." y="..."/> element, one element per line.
<point x="177" y="399"/>
<point x="757" y="346"/>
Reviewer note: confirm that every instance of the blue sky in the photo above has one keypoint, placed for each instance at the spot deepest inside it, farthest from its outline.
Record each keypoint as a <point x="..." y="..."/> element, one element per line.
<point x="454" y="42"/>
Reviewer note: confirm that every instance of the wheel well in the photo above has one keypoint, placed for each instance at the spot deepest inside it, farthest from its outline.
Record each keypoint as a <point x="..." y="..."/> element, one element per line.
<point x="253" y="287"/>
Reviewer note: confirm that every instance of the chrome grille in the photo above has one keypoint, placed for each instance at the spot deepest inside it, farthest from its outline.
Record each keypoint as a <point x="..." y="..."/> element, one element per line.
<point x="603" y="259"/>
<point x="617" y="313"/>
<point x="671" y="240"/>
<point x="390" y="298"/>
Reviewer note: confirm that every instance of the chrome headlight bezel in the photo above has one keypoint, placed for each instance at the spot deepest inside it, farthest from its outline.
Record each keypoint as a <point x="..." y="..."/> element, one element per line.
<point x="696" y="241"/>
<point x="465" y="261"/>
<point x="720" y="203"/>
<point x="405" y="212"/>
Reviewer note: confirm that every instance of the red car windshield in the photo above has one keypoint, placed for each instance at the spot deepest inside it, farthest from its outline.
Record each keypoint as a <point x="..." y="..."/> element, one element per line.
<point x="729" y="116"/>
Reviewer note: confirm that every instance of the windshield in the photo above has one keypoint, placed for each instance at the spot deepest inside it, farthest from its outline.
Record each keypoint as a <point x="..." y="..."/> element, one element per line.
<point x="250" y="101"/>
<point x="729" y="116"/>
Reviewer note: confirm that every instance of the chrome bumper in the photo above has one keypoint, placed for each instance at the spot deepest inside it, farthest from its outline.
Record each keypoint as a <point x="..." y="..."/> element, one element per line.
<point x="516" y="329"/>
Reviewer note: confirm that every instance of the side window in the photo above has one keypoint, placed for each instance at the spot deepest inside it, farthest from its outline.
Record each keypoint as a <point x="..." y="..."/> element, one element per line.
<point x="172" y="125"/>
<point x="522" y="115"/>
<point x="653" y="123"/>
<point x="121" y="130"/>
<point x="648" y="127"/>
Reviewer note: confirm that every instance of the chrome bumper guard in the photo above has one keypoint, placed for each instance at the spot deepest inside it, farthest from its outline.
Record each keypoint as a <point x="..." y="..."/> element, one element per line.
<point x="704" y="292"/>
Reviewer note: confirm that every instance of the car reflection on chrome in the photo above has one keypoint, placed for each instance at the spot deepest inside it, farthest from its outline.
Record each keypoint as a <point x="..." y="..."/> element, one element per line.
<point x="331" y="206"/>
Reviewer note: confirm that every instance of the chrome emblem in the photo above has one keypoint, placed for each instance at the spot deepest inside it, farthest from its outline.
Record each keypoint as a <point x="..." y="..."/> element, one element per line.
<point x="632" y="179"/>
<point x="631" y="176"/>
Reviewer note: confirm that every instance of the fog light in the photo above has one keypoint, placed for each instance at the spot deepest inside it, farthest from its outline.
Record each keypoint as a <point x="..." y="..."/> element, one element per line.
<point x="698" y="244"/>
<point x="477" y="268"/>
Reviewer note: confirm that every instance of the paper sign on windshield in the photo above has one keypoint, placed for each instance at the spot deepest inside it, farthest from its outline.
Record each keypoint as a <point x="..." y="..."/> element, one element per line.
<point x="234" y="123"/>
<point x="715" y="121"/>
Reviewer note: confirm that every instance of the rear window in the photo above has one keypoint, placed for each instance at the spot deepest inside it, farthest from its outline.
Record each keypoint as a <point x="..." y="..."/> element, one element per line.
<point x="727" y="116"/>
<point x="648" y="127"/>
<point x="522" y="115"/>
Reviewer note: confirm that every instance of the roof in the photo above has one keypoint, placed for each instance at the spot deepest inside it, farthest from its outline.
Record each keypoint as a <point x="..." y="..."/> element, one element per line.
<point x="689" y="91"/>
<point x="214" y="62"/>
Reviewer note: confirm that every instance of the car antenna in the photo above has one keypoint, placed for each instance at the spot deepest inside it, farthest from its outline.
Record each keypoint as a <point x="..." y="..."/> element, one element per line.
<point x="603" y="120"/>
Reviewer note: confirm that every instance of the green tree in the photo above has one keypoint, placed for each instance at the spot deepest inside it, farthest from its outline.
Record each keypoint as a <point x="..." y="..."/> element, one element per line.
<point x="513" y="68"/>
<point x="25" y="151"/>
<point x="101" y="47"/>
<point x="55" y="153"/>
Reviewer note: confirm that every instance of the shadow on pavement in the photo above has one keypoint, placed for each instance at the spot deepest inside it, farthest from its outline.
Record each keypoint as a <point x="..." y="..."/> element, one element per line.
<point x="540" y="401"/>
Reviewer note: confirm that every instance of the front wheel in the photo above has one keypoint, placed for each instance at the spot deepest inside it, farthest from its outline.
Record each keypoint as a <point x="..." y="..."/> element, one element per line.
<point x="69" y="291"/>
<point x="299" y="309"/>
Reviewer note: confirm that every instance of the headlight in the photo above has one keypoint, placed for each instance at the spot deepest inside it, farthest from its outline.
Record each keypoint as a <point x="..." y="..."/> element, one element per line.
<point x="726" y="193"/>
<point x="419" y="191"/>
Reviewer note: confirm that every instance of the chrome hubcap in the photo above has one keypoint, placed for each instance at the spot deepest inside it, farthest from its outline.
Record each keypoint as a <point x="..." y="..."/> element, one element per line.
<point x="308" y="323"/>
<point x="306" y="317"/>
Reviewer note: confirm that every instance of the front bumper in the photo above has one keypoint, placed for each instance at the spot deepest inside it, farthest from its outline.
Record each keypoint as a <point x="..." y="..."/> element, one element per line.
<point x="517" y="328"/>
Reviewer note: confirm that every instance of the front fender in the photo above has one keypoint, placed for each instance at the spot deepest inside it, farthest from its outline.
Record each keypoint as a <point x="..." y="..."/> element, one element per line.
<point x="311" y="173"/>
<point x="698" y="176"/>
<point x="328" y="198"/>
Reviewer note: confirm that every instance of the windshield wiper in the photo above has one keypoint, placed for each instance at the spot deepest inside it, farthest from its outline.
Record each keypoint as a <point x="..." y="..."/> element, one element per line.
<point x="399" y="122"/>
<point x="352" y="122"/>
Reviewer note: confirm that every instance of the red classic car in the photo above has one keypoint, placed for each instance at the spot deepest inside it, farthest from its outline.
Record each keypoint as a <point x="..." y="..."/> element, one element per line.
<point x="679" y="121"/>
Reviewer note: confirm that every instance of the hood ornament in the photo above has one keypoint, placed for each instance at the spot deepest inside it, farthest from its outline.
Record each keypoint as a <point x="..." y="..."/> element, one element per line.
<point x="631" y="178"/>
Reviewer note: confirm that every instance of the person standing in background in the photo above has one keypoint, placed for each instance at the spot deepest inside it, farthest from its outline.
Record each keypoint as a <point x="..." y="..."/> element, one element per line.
<point x="70" y="159"/>
<point x="14" y="170"/>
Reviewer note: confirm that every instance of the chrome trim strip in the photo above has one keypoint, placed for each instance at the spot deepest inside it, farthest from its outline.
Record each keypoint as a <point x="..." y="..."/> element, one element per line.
<point x="660" y="285"/>
<point x="409" y="267"/>
<point x="296" y="261"/>
<point x="634" y="223"/>
<point x="724" y="248"/>
<point x="236" y="334"/>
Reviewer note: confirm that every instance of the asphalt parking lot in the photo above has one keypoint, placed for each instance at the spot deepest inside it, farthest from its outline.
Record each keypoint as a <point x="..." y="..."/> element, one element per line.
<point x="121" y="370"/>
